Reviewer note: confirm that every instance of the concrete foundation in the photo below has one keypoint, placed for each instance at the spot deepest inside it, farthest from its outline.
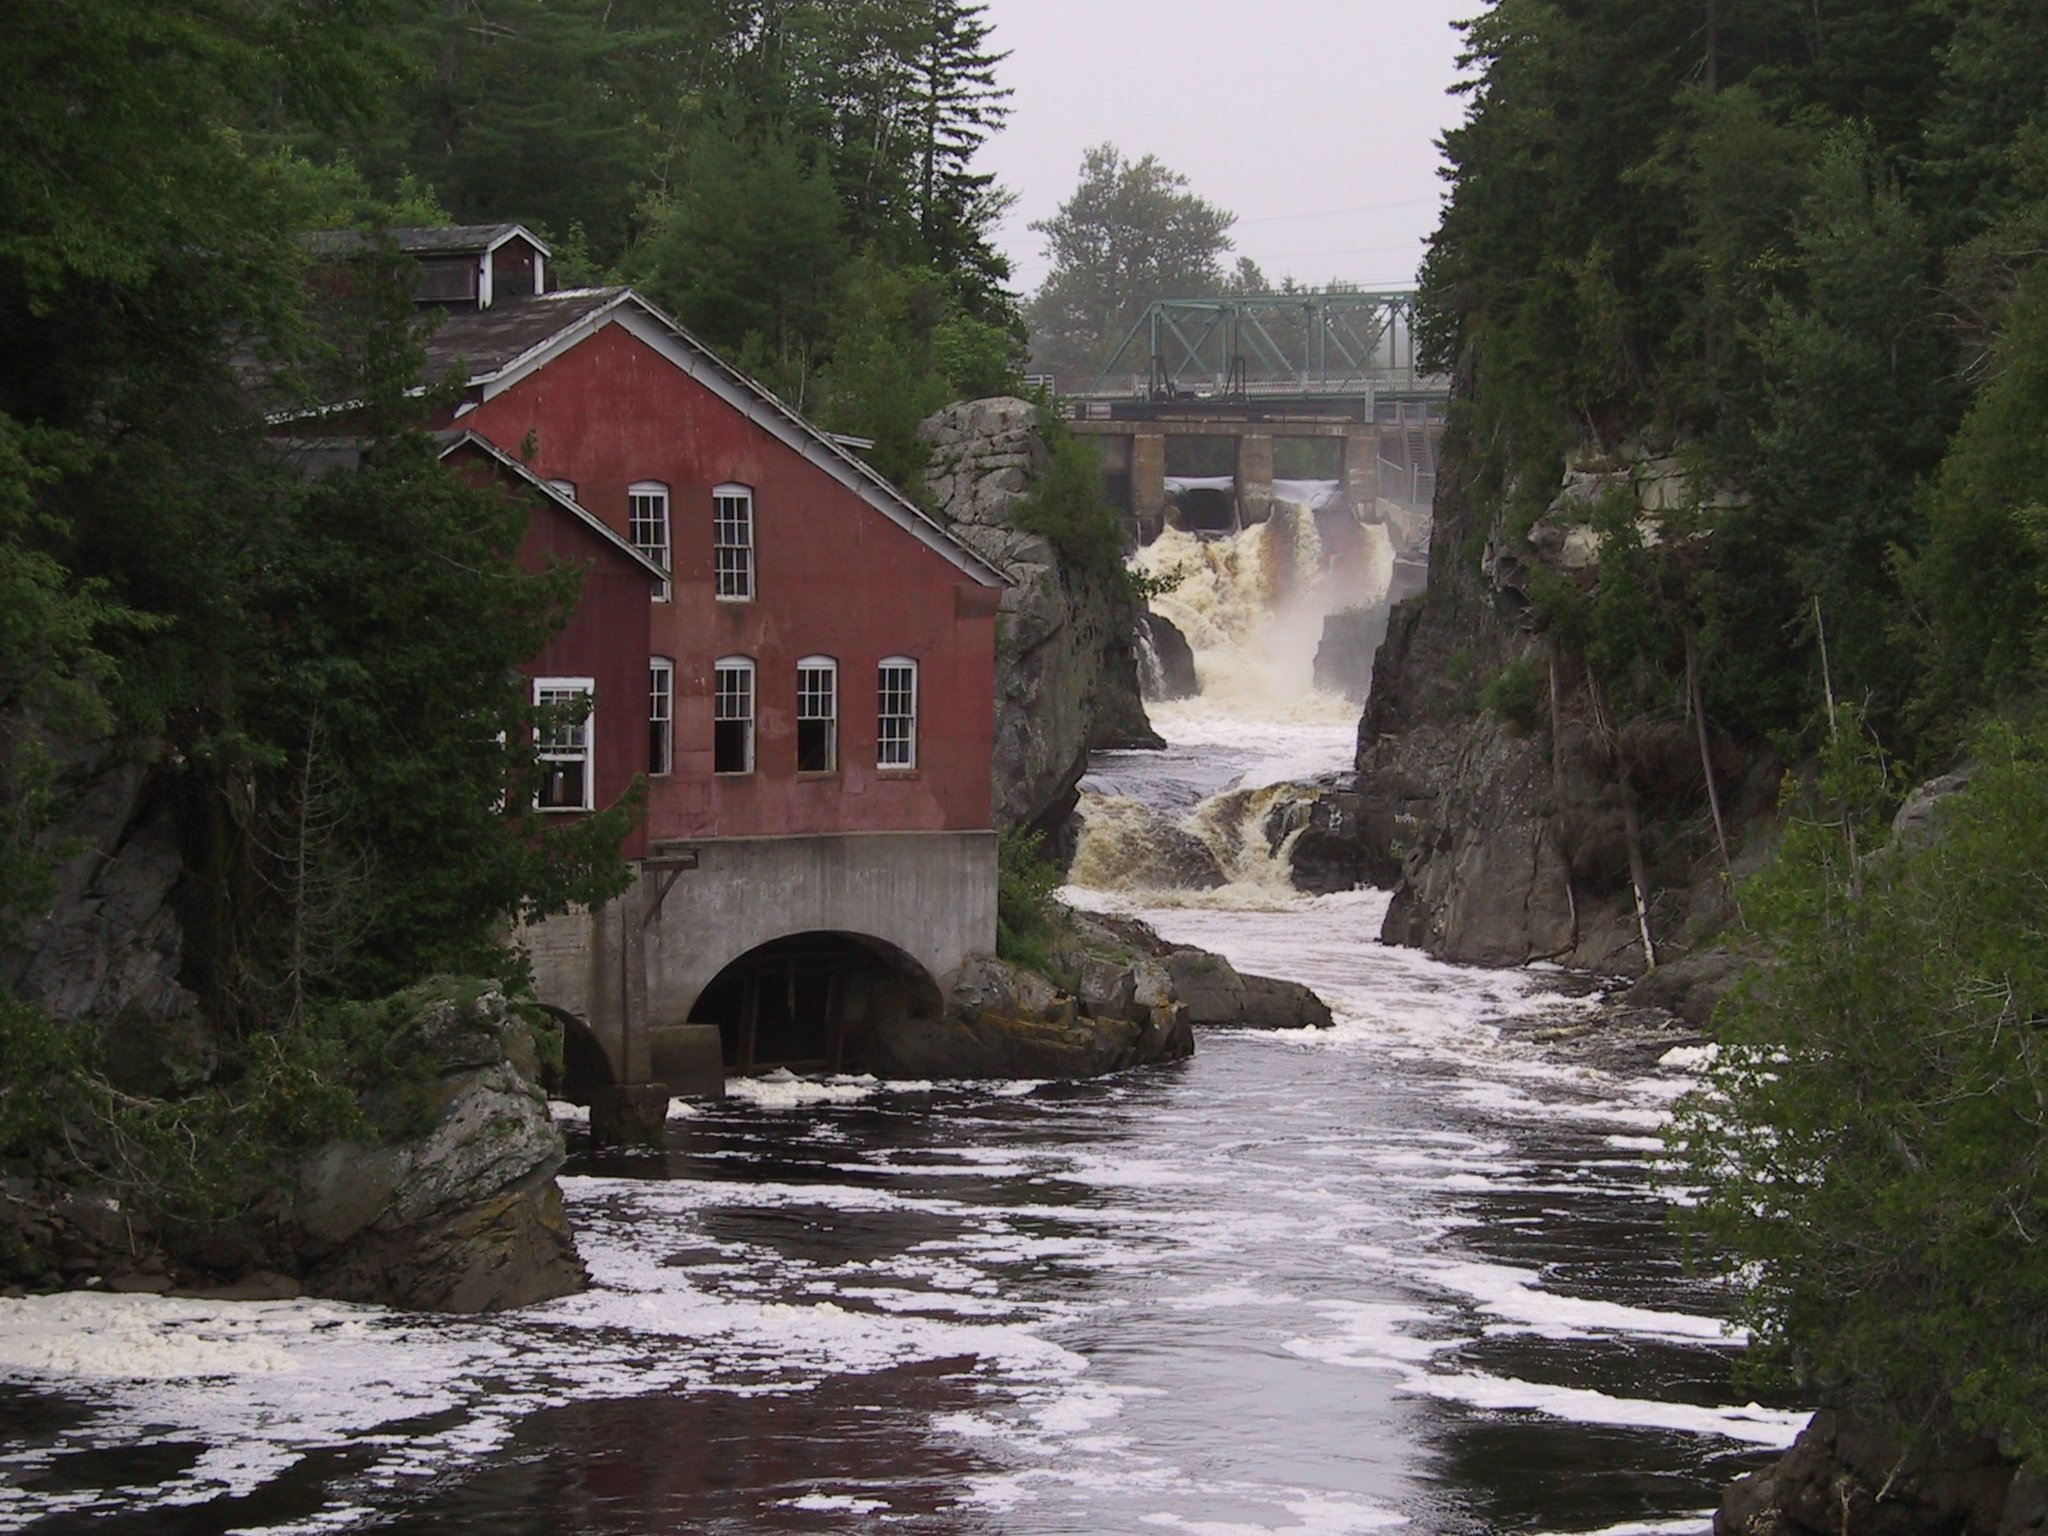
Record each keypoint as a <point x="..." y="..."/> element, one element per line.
<point x="1254" y="477"/>
<point x="1148" y="482"/>
<point x="635" y="969"/>
<point x="1362" y="471"/>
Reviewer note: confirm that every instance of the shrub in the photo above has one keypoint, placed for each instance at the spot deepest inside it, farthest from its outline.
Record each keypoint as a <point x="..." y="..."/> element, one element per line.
<point x="1026" y="914"/>
<point x="1872" y="1142"/>
<point x="1517" y="694"/>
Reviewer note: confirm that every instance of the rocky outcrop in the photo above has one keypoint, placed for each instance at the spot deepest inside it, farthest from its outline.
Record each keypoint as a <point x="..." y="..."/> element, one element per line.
<point x="1003" y="1021"/>
<point x="465" y="1216"/>
<point x="1217" y="994"/>
<point x="1166" y="662"/>
<point x="453" y="1208"/>
<point x="108" y="950"/>
<point x="1066" y="649"/>
<point x="1344" y="656"/>
<point x="1507" y="833"/>
<point x="1842" y="1476"/>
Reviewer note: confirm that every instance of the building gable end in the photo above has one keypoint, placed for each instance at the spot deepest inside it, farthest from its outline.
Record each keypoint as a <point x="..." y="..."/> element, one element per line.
<point x="655" y="330"/>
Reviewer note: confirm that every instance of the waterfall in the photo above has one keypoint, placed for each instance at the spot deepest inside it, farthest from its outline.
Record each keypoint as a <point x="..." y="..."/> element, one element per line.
<point x="1252" y="605"/>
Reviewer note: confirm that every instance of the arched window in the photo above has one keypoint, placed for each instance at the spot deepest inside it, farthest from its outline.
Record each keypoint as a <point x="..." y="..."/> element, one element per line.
<point x="896" y="713"/>
<point x="732" y="715"/>
<point x="647" y="525"/>
<point x="732" y="543"/>
<point x="817" y="715"/>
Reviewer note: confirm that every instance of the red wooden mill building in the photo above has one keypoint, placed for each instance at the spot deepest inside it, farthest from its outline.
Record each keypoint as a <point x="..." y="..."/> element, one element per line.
<point x="808" y="685"/>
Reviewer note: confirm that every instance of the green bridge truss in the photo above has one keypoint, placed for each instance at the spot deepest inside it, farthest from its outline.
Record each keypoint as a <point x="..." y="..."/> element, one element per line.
<point x="1270" y="346"/>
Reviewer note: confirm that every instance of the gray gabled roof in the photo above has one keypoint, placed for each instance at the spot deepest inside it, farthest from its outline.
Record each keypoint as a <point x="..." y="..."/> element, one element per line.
<point x="424" y="240"/>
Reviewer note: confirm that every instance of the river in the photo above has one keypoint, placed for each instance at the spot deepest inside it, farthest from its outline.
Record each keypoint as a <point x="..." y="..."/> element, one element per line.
<point x="1411" y="1273"/>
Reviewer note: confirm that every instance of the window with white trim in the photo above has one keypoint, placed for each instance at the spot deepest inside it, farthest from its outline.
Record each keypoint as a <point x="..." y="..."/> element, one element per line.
<point x="565" y="487"/>
<point x="732" y="715"/>
<point x="732" y="543"/>
<point x="647" y="526"/>
<point x="896" y="713"/>
<point x="817" y="715"/>
<point x="661" y="715"/>
<point x="562" y="742"/>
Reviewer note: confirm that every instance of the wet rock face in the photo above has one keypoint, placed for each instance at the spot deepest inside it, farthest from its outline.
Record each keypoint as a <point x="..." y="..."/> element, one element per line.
<point x="1351" y="638"/>
<point x="466" y="1216"/>
<point x="1506" y="843"/>
<point x="1843" y="1476"/>
<point x="1002" y="1021"/>
<point x="109" y="950"/>
<point x="1171" y="673"/>
<point x="1066" y="648"/>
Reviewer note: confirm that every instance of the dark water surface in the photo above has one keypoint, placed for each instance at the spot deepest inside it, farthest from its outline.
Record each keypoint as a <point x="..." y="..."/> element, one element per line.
<point x="1407" y="1275"/>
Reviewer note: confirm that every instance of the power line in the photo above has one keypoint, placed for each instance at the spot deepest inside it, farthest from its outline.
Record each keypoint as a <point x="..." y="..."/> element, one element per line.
<point x="1331" y="213"/>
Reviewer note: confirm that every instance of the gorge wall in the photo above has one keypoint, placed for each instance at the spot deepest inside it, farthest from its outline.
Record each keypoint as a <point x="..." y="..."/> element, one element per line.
<point x="1510" y="813"/>
<point x="1066" y="657"/>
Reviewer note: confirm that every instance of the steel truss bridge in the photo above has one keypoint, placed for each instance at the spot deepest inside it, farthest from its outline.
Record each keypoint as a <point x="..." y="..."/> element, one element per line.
<point x="1336" y="345"/>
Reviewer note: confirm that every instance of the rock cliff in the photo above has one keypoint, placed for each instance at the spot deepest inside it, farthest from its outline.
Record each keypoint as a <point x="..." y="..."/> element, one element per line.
<point x="1066" y="649"/>
<point x="1512" y="819"/>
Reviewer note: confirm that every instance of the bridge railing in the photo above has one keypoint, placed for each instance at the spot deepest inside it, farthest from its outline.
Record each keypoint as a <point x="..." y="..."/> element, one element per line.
<point x="1397" y="381"/>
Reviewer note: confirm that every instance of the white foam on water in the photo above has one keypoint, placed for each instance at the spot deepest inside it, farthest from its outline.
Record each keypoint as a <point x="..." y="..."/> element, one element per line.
<point x="1749" y="1424"/>
<point x="783" y="1089"/>
<point x="836" y="1503"/>
<point x="146" y="1338"/>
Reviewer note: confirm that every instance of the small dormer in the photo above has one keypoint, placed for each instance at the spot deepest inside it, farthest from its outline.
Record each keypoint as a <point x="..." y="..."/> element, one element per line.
<point x="473" y="266"/>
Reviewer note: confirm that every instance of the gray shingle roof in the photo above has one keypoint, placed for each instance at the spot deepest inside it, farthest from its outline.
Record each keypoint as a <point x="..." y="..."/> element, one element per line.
<point x="440" y="240"/>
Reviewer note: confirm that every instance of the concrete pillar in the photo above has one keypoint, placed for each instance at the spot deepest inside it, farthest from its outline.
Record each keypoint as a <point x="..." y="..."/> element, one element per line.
<point x="1362" y="471"/>
<point x="635" y="1061"/>
<point x="631" y="1116"/>
<point x="1254" y="478"/>
<point x="1148" y="483"/>
<point x="690" y="1059"/>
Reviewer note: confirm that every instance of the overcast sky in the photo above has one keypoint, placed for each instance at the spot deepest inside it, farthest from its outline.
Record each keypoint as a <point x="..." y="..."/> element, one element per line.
<point x="1314" y="121"/>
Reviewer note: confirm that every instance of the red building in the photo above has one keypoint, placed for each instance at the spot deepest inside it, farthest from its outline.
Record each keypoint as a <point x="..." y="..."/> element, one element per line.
<point x="808" y="688"/>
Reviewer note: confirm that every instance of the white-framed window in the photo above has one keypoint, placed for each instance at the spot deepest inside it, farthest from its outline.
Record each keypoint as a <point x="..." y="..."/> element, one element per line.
<point x="896" y="713"/>
<point x="661" y="715"/>
<point x="732" y="543"/>
<point x="563" y="742"/>
<point x="565" y="487"/>
<point x="647" y="526"/>
<point x="732" y="715"/>
<point x="817" y="715"/>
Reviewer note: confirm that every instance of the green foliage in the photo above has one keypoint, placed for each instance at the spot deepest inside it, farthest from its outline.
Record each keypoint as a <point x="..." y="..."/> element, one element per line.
<point x="1872" y="1144"/>
<point x="1067" y="504"/>
<point x="1518" y="693"/>
<point x="1978" y="581"/>
<point x="1027" y="922"/>
<point x="1130" y="233"/>
<point x="1461" y="664"/>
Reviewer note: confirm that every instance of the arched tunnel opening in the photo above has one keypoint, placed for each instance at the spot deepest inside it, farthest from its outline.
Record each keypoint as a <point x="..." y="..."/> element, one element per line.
<point x="813" y="1002"/>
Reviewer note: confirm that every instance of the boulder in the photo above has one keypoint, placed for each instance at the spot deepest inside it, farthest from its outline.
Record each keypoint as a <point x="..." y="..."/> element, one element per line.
<point x="1843" y="1474"/>
<point x="1166" y="661"/>
<point x="1067" y="647"/>
<point x="1351" y="638"/>
<point x="1004" y="1021"/>
<point x="1216" y="994"/>
<point x="1691" y="986"/>
<point x="464" y="1215"/>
